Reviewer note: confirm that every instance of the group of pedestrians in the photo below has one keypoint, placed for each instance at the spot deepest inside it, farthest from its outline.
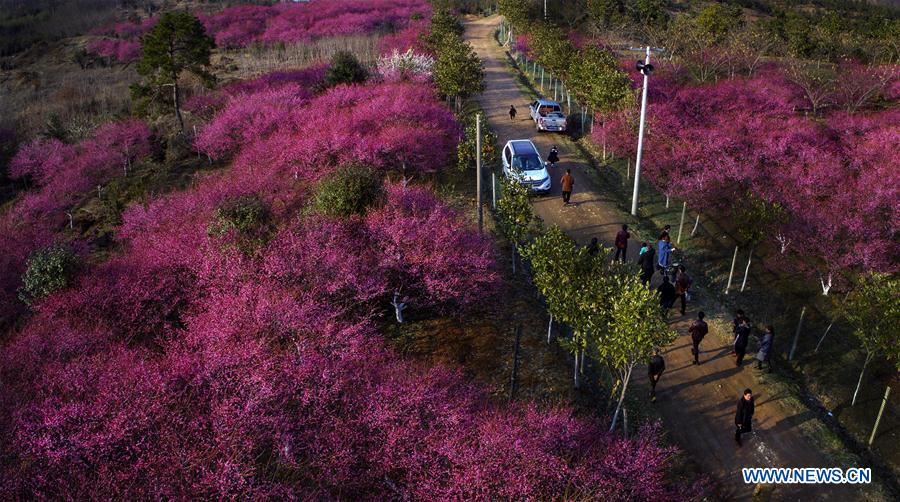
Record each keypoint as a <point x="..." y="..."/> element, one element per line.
<point x="741" y="330"/>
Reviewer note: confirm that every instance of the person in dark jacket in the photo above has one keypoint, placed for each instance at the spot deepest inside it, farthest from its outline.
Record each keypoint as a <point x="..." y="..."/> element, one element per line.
<point x="512" y="112"/>
<point x="647" y="262"/>
<point x="741" y="338"/>
<point x="683" y="283"/>
<point x="655" y="370"/>
<point x="666" y="295"/>
<point x="738" y="317"/>
<point x="622" y="244"/>
<point x="765" y="349"/>
<point x="553" y="158"/>
<point x="743" y="416"/>
<point x="698" y="330"/>
<point x="594" y="247"/>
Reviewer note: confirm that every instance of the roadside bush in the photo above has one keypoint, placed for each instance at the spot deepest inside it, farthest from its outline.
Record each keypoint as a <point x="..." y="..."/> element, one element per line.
<point x="351" y="189"/>
<point x="246" y="220"/>
<point x="49" y="270"/>
<point x="345" y="69"/>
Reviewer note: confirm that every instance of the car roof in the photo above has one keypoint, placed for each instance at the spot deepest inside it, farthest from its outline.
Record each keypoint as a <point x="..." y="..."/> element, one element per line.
<point x="523" y="147"/>
<point x="547" y="102"/>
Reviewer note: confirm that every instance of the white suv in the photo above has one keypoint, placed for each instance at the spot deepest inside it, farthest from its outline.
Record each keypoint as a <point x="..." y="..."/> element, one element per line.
<point x="522" y="160"/>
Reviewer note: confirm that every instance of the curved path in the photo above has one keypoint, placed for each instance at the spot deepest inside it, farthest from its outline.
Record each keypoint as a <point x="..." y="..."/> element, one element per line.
<point x="697" y="403"/>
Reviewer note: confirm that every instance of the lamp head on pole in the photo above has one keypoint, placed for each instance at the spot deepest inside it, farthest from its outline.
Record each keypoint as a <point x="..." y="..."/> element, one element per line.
<point x="645" y="69"/>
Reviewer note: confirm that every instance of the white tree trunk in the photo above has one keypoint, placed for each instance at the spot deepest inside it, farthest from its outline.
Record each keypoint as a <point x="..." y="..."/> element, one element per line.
<point x="861" y="373"/>
<point x="747" y="270"/>
<point x="625" y="380"/>
<point x="577" y="374"/>
<point x="581" y="363"/>
<point x="696" y="224"/>
<point x="550" y="330"/>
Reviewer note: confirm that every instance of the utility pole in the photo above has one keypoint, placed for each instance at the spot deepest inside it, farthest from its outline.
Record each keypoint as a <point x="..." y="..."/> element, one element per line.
<point x="478" y="170"/>
<point x="646" y="68"/>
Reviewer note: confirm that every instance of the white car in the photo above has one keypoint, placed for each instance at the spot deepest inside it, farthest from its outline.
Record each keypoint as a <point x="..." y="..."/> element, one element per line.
<point x="522" y="160"/>
<point x="547" y="115"/>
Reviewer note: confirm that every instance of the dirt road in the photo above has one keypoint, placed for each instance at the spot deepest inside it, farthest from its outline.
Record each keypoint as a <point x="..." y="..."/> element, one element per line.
<point x="697" y="402"/>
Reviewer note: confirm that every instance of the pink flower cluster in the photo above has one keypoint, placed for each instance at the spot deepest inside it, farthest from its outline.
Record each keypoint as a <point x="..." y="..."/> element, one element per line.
<point x="185" y="368"/>
<point x="836" y="179"/>
<point x="123" y="51"/>
<point x="242" y="25"/>
<point x="62" y="174"/>
<point x="389" y="125"/>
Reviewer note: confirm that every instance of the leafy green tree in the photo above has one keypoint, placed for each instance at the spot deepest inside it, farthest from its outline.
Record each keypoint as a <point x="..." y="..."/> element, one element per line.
<point x="552" y="48"/>
<point x="467" y="147"/>
<point x="244" y="222"/>
<point x="716" y="22"/>
<point x="350" y="189"/>
<point x="345" y="69"/>
<point x="48" y="270"/>
<point x="873" y="309"/>
<point x="443" y="24"/>
<point x="516" y="12"/>
<point x="605" y="13"/>
<point x="648" y="12"/>
<point x="178" y="43"/>
<point x="458" y="72"/>
<point x="635" y="329"/>
<point x="514" y="213"/>
<point x="597" y="81"/>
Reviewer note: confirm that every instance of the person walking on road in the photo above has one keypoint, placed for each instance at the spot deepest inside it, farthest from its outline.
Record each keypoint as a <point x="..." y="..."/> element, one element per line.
<point x="622" y="244"/>
<point x="698" y="330"/>
<point x="655" y="370"/>
<point x="512" y="112"/>
<point x="683" y="283"/>
<point x="743" y="416"/>
<point x="647" y="262"/>
<point x="553" y="157"/>
<point x="594" y="247"/>
<point x="567" y="182"/>
<point x="765" y="349"/>
<point x="666" y="295"/>
<point x="741" y="338"/>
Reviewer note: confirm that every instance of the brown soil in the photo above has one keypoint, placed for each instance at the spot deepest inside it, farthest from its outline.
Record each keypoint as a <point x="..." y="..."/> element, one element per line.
<point x="696" y="403"/>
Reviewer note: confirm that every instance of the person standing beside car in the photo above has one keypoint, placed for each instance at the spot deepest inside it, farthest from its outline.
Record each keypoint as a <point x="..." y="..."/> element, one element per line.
<point x="512" y="112"/>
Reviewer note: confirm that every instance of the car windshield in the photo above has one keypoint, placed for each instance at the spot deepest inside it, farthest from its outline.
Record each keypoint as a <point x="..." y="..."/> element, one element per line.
<point x="527" y="163"/>
<point x="543" y="110"/>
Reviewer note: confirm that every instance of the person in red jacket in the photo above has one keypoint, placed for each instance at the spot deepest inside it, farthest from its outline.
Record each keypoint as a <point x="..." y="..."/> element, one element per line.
<point x="622" y="244"/>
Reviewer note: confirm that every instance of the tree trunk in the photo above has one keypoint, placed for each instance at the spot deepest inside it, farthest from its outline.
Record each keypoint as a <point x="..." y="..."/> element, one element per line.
<point x="581" y="363"/>
<point x="550" y="331"/>
<point x="513" y="259"/>
<point x="747" y="269"/>
<point x="176" y="100"/>
<point x="577" y="374"/>
<point x="861" y="373"/>
<point x="696" y="223"/>
<point x="621" y="399"/>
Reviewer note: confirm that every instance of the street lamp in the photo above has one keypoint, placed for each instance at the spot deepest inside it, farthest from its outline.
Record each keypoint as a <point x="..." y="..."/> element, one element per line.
<point x="646" y="69"/>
